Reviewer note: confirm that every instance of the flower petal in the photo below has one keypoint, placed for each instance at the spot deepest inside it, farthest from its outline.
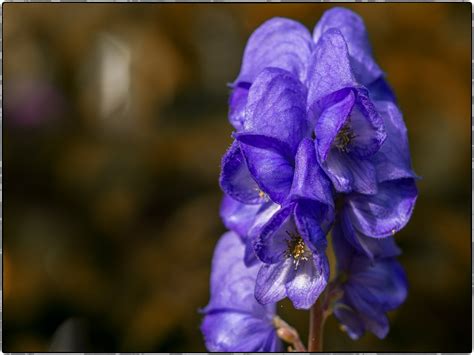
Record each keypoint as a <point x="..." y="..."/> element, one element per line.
<point x="329" y="69"/>
<point x="351" y="322"/>
<point x="240" y="332"/>
<point x="371" y="314"/>
<point x="313" y="221"/>
<point x="232" y="283"/>
<point x="386" y="212"/>
<point x="383" y="283"/>
<point x="240" y="217"/>
<point x="372" y="247"/>
<point x="393" y="161"/>
<point x="349" y="173"/>
<point x="237" y="216"/>
<point x="235" y="178"/>
<point x="380" y="90"/>
<point x="271" y="279"/>
<point x="269" y="164"/>
<point x="310" y="181"/>
<point x="276" y="107"/>
<point x="279" y="43"/>
<point x="353" y="29"/>
<point x="270" y="239"/>
<point x="237" y="103"/>
<point x="367" y="126"/>
<point x="308" y="281"/>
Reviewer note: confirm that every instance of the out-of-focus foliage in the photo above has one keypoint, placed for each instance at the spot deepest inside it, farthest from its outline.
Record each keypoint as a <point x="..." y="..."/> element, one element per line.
<point x="114" y="125"/>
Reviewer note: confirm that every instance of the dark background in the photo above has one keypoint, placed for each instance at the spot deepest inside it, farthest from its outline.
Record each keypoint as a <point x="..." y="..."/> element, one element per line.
<point x="115" y="120"/>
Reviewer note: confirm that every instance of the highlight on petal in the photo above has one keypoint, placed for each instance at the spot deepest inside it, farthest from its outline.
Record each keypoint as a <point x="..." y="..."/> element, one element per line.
<point x="308" y="281"/>
<point x="271" y="278"/>
<point x="235" y="178"/>
<point x="386" y="212"/>
<point x="353" y="29"/>
<point x="279" y="43"/>
<point x="329" y="69"/>
<point x="276" y="107"/>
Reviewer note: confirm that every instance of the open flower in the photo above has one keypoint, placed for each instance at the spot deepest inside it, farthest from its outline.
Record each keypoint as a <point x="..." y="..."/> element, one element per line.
<point x="319" y="143"/>
<point x="364" y="217"/>
<point x="371" y="287"/>
<point x="234" y="320"/>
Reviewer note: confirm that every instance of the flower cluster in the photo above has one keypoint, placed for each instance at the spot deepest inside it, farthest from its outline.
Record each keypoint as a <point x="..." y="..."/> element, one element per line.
<point x="319" y="145"/>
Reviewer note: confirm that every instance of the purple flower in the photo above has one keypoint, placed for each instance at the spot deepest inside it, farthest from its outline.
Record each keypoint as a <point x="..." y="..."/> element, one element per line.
<point x="316" y="122"/>
<point x="371" y="287"/>
<point x="234" y="320"/>
<point x="289" y="239"/>
<point x="389" y="210"/>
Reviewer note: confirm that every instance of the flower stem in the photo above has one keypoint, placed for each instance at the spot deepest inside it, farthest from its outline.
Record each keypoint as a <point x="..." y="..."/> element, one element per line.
<point x="317" y="318"/>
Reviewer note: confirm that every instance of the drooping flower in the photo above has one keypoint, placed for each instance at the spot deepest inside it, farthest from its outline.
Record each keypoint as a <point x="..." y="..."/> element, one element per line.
<point x="371" y="287"/>
<point x="315" y="121"/>
<point x="290" y="239"/>
<point x="234" y="321"/>
<point x="364" y="217"/>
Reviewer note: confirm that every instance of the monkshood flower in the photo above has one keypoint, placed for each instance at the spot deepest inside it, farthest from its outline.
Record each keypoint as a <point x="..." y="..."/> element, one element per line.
<point x="289" y="239"/>
<point x="371" y="287"/>
<point x="364" y="217"/>
<point x="286" y="44"/>
<point x="234" y="320"/>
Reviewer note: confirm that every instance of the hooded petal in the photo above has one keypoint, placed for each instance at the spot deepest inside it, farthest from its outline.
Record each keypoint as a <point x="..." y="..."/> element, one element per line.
<point x="269" y="163"/>
<point x="353" y="29"/>
<point x="308" y="281"/>
<point x="336" y="112"/>
<point x="329" y="68"/>
<point x="271" y="279"/>
<point x="393" y="160"/>
<point x="235" y="178"/>
<point x="279" y="43"/>
<point x="386" y="212"/>
<point x="234" y="331"/>
<point x="310" y="181"/>
<point x="367" y="126"/>
<point x="276" y="107"/>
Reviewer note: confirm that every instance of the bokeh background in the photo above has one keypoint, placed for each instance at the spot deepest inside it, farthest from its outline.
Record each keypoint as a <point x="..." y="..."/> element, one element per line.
<point x="115" y="120"/>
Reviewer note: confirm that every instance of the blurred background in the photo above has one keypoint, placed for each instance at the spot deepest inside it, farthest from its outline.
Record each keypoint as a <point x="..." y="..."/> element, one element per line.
<point x="115" y="120"/>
